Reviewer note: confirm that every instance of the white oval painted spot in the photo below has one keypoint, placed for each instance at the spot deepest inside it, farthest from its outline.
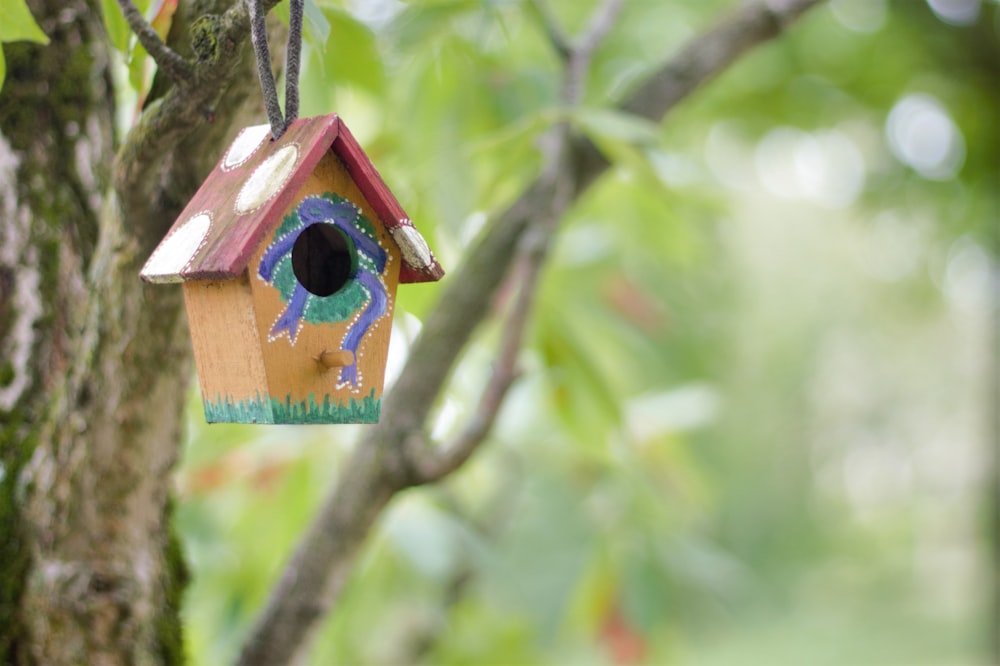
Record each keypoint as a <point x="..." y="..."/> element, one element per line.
<point x="177" y="250"/>
<point x="244" y="145"/>
<point x="413" y="246"/>
<point x="268" y="179"/>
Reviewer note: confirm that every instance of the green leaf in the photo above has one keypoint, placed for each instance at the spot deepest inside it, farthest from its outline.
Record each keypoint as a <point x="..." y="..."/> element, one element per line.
<point x="586" y="395"/>
<point x="281" y="11"/>
<point x="137" y="70"/>
<point x="420" y="25"/>
<point x="606" y="125"/>
<point x="625" y="139"/>
<point x="350" y="54"/>
<point x="3" y="69"/>
<point x="114" y="22"/>
<point x="316" y="22"/>
<point x="316" y="27"/>
<point x="18" y="24"/>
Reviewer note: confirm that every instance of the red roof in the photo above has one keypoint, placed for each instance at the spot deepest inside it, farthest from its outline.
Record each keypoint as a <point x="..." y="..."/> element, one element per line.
<point x="253" y="184"/>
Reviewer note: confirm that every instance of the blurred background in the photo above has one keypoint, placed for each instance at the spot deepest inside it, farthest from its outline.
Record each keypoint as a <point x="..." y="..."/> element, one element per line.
<point x="758" y="419"/>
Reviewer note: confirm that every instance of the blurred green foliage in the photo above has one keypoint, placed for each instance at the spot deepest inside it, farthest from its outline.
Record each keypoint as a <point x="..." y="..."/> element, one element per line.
<point x="18" y="25"/>
<point x="754" y="424"/>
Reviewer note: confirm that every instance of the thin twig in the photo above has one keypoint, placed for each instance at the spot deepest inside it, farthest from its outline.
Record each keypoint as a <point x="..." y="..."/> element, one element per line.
<point x="582" y="52"/>
<point x="701" y="59"/>
<point x="557" y="38"/>
<point x="188" y="110"/>
<point x="534" y="252"/>
<point x="453" y="455"/>
<point x="169" y="62"/>
<point x="600" y="25"/>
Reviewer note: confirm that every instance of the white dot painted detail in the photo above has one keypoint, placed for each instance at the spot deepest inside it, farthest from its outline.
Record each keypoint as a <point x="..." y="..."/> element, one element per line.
<point x="267" y="179"/>
<point x="244" y="145"/>
<point x="178" y="249"/>
<point x="413" y="246"/>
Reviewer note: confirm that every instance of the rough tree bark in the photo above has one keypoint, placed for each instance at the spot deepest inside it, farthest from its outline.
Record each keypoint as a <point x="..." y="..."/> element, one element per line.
<point x="94" y="365"/>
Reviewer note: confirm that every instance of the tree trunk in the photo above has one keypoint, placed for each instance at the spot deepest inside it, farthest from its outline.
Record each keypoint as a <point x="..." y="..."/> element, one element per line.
<point x="95" y="364"/>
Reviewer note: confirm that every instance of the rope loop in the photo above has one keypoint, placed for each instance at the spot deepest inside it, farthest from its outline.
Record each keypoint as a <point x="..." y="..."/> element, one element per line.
<point x="258" y="35"/>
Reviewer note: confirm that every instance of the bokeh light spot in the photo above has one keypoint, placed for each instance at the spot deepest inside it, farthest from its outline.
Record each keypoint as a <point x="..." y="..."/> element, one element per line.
<point x="825" y="167"/>
<point x="860" y="15"/>
<point x="923" y="136"/>
<point x="956" y="12"/>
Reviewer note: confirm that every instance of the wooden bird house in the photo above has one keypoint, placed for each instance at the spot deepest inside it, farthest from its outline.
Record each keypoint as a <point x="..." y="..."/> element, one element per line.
<point x="290" y="254"/>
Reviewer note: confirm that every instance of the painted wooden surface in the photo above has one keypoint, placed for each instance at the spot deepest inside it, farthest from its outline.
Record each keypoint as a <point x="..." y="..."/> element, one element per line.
<point x="227" y="346"/>
<point x="249" y="373"/>
<point x="293" y="373"/>
<point x="267" y="350"/>
<point x="244" y="197"/>
<point x="340" y="358"/>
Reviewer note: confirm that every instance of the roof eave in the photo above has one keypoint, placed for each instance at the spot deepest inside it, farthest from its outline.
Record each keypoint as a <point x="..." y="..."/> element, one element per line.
<point x="419" y="263"/>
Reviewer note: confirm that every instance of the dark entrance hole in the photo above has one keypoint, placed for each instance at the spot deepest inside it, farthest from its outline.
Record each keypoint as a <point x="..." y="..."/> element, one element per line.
<point x="323" y="259"/>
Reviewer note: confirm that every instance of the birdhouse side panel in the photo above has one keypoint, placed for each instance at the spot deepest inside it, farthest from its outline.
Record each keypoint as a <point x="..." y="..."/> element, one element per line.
<point x="324" y="289"/>
<point x="227" y="351"/>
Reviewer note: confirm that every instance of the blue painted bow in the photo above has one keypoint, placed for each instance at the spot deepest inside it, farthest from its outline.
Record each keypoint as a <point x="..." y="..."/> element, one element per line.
<point x="319" y="210"/>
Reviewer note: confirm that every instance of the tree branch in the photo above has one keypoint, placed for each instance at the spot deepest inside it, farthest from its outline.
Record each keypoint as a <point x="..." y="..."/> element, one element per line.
<point x="173" y="65"/>
<point x="704" y="57"/>
<point x="434" y="465"/>
<point x="582" y="53"/>
<point x="557" y="38"/>
<point x="184" y="111"/>
<point x="599" y="26"/>
<point x="387" y="460"/>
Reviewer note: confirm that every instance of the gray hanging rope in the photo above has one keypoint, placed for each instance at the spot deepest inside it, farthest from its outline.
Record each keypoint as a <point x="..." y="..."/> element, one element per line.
<point x="258" y="35"/>
<point x="292" y="55"/>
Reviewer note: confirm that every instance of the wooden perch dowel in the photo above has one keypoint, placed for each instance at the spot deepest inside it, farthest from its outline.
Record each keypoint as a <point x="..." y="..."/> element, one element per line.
<point x="335" y="359"/>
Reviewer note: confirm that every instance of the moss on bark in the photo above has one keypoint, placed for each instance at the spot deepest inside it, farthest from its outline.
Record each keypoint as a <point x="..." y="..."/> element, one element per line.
<point x="169" y="628"/>
<point x="86" y="447"/>
<point x="22" y="124"/>
<point x="15" y="450"/>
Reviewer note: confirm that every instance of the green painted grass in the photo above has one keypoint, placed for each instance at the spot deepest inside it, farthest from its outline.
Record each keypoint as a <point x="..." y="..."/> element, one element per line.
<point x="264" y="409"/>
